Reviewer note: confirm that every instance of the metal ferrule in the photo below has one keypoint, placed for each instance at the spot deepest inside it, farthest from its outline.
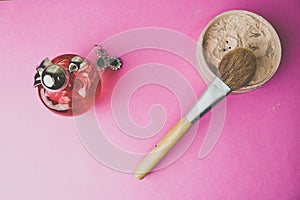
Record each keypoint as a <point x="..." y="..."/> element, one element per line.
<point x="215" y="92"/>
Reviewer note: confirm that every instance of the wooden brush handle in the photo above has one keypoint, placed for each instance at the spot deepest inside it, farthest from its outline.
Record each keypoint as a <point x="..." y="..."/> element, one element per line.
<point x="162" y="148"/>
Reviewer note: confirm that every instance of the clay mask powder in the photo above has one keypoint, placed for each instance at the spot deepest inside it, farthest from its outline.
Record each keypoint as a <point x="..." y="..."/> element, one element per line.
<point x="235" y="29"/>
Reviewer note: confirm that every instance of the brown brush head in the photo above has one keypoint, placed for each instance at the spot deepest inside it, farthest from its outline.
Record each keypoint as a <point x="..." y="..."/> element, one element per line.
<point x="237" y="68"/>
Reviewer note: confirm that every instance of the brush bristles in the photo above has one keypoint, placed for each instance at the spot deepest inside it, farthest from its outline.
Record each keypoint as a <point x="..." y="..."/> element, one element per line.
<point x="237" y="68"/>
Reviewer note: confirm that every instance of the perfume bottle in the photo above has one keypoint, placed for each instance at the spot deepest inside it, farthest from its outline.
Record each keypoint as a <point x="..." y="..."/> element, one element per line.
<point x="69" y="84"/>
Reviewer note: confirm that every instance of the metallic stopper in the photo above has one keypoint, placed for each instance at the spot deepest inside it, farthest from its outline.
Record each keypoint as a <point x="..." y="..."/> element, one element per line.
<point x="54" y="78"/>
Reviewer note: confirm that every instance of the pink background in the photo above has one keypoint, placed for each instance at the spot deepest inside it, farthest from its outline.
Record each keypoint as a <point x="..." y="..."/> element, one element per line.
<point x="257" y="156"/>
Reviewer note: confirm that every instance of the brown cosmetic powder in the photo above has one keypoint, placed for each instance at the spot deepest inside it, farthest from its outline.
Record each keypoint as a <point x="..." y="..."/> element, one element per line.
<point x="239" y="28"/>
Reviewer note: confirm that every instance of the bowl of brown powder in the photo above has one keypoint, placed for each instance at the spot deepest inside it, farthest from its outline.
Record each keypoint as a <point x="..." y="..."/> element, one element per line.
<point x="235" y="29"/>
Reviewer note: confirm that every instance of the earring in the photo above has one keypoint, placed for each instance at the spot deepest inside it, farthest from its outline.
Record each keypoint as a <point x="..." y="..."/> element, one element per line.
<point x="69" y="84"/>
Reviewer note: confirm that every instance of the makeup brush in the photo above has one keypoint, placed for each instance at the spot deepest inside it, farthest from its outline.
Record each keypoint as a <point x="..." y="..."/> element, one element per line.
<point x="236" y="70"/>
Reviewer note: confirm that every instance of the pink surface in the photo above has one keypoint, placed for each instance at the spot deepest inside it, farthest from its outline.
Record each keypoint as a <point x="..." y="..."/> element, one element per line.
<point x="257" y="156"/>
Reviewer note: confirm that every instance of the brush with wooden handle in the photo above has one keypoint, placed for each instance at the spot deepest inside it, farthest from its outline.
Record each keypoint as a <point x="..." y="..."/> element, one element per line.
<point x="236" y="69"/>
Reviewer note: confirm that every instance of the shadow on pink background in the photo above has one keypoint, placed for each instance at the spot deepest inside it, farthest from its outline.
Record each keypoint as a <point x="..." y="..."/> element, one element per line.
<point x="257" y="156"/>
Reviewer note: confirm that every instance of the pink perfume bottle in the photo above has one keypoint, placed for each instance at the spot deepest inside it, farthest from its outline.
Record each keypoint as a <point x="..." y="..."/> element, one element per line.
<point x="69" y="84"/>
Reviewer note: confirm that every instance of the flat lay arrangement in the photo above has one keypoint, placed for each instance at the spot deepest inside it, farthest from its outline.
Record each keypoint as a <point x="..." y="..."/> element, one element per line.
<point x="149" y="99"/>
<point x="247" y="44"/>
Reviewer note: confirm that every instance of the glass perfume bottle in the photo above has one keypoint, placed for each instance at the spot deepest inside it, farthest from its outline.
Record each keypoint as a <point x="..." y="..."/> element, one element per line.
<point x="68" y="84"/>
